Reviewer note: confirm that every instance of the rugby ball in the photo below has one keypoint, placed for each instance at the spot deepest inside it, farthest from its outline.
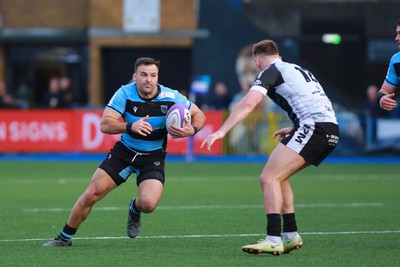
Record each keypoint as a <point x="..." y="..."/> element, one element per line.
<point x="176" y="116"/>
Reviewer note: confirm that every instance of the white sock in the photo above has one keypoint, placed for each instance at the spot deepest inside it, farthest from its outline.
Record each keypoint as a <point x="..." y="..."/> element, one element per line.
<point x="289" y="235"/>
<point x="274" y="239"/>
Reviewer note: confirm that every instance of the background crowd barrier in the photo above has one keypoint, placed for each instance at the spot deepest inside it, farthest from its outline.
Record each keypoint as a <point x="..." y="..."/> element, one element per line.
<point x="78" y="131"/>
<point x="65" y="131"/>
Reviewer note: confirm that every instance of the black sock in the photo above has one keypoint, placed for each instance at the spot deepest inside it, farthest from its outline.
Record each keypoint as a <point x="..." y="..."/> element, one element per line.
<point x="67" y="233"/>
<point x="289" y="223"/>
<point x="274" y="227"/>
<point x="133" y="208"/>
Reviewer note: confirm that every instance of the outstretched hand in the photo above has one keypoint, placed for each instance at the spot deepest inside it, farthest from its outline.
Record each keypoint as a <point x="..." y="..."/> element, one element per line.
<point x="211" y="139"/>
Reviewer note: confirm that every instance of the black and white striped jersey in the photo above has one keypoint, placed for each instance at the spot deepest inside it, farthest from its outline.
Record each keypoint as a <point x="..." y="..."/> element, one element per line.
<point x="296" y="91"/>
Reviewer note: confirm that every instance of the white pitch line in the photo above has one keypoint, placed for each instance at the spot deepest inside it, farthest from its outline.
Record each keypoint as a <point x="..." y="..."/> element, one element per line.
<point x="348" y="177"/>
<point x="344" y="205"/>
<point x="197" y="207"/>
<point x="206" y="179"/>
<point x="205" y="236"/>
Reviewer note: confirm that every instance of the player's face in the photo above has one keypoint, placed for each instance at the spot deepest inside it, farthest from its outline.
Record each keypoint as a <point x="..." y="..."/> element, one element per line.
<point x="398" y="36"/>
<point x="146" y="77"/>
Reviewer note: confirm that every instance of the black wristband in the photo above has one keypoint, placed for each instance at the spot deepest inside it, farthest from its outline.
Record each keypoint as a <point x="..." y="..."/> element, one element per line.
<point x="129" y="127"/>
<point x="379" y="96"/>
<point x="195" y="130"/>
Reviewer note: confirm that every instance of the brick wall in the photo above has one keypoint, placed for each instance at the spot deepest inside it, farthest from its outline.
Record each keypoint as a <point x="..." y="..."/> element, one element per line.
<point x="61" y="14"/>
<point x="85" y="14"/>
<point x="80" y="14"/>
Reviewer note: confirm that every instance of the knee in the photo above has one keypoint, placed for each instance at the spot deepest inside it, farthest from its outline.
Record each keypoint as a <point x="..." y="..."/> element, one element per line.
<point x="267" y="180"/>
<point x="147" y="206"/>
<point x="90" y="197"/>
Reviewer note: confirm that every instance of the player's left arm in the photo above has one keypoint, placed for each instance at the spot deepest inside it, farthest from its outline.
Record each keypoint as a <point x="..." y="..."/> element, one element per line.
<point x="281" y="133"/>
<point x="198" y="120"/>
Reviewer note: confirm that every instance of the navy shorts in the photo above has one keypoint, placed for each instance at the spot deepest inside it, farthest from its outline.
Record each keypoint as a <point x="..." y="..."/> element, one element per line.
<point x="314" y="142"/>
<point x="122" y="161"/>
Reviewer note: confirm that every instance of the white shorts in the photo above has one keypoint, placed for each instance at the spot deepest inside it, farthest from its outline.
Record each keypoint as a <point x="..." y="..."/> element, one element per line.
<point x="314" y="142"/>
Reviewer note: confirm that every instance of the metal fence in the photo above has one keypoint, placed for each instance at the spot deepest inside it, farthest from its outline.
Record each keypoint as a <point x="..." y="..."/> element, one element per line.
<point x="360" y="134"/>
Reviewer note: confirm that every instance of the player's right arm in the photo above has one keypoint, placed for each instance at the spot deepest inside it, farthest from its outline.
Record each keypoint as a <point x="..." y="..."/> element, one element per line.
<point x="238" y="114"/>
<point x="111" y="123"/>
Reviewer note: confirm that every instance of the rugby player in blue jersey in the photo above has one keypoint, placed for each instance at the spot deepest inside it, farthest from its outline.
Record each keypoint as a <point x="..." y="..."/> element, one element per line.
<point x="143" y="105"/>
<point x="386" y="93"/>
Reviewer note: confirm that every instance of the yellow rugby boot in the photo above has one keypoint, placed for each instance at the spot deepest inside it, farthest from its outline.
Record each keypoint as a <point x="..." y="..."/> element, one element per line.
<point x="264" y="246"/>
<point x="295" y="243"/>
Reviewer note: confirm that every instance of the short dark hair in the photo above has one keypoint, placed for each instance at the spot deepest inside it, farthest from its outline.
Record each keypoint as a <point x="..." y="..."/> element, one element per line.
<point x="266" y="47"/>
<point x="146" y="61"/>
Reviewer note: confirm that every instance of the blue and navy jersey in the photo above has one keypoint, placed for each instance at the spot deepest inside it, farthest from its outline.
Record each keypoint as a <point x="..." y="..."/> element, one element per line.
<point x="127" y="102"/>
<point x="393" y="73"/>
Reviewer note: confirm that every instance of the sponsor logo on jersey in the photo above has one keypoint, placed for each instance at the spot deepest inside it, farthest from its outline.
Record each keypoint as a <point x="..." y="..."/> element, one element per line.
<point x="257" y="82"/>
<point x="167" y="95"/>
<point x="164" y="108"/>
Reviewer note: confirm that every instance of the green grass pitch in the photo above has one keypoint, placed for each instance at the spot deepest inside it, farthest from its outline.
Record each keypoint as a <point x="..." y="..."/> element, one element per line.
<point x="348" y="215"/>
